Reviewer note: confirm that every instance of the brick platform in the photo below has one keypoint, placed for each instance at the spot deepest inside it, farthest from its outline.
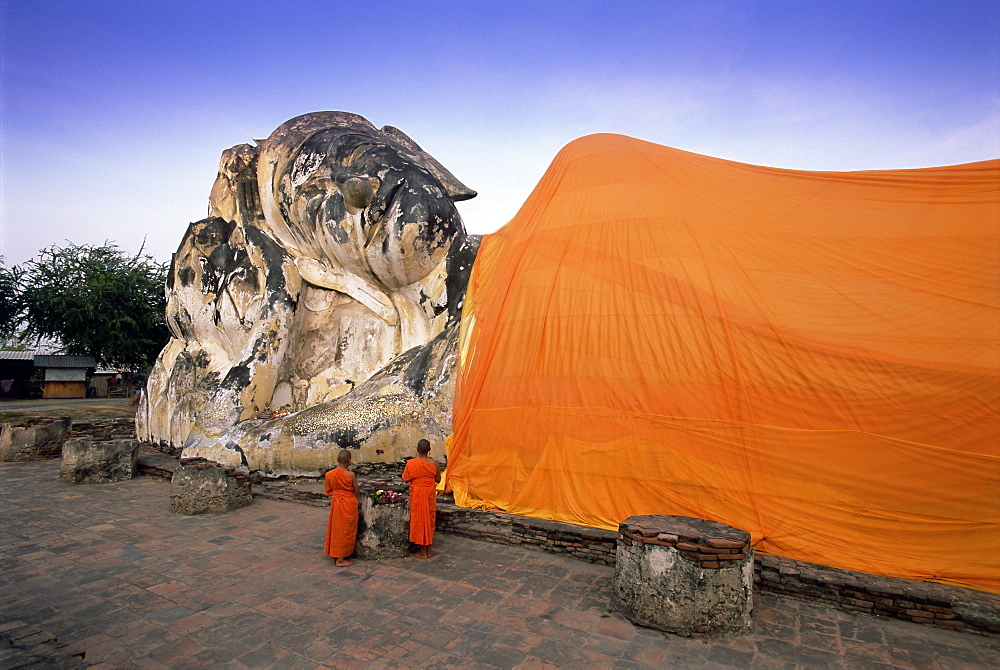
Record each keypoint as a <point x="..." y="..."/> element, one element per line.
<point x="112" y="572"/>
<point x="33" y="438"/>
<point x="907" y="600"/>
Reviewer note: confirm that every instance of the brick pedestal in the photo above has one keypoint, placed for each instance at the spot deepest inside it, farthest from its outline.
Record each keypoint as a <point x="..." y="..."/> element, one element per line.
<point x="687" y="576"/>
<point x="200" y="486"/>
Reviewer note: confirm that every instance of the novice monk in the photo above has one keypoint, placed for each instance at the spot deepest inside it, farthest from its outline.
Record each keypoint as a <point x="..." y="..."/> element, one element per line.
<point x="342" y="526"/>
<point x="423" y="474"/>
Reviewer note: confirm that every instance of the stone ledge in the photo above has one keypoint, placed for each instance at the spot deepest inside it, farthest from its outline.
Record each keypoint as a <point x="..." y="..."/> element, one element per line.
<point x="289" y="492"/>
<point x="594" y="545"/>
<point x="948" y="607"/>
<point x="156" y="464"/>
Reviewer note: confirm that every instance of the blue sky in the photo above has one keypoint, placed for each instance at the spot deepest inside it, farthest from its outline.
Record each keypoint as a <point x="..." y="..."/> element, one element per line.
<point x="113" y="114"/>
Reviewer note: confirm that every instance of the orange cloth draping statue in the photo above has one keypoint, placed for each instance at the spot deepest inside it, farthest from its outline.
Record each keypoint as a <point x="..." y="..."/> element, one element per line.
<point x="423" y="473"/>
<point x="342" y="525"/>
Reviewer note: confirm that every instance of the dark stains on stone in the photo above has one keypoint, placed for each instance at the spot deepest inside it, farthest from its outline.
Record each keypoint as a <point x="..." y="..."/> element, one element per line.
<point x="243" y="457"/>
<point x="461" y="256"/>
<point x="238" y="378"/>
<point x="345" y="438"/>
<point x="185" y="276"/>
<point x="201" y="360"/>
<point x="274" y="258"/>
<point x="418" y="366"/>
<point x="338" y="234"/>
<point x="335" y="156"/>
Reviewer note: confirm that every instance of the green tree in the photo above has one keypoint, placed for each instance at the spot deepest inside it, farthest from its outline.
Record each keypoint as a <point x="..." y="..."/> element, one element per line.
<point x="97" y="300"/>
<point x="10" y="300"/>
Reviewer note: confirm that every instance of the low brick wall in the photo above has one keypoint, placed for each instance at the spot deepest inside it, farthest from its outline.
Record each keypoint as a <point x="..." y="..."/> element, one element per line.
<point x="104" y="429"/>
<point x="288" y="492"/>
<point x="581" y="542"/>
<point x="921" y="602"/>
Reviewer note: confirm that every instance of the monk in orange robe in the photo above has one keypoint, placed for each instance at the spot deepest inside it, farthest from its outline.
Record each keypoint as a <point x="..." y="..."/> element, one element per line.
<point x="423" y="473"/>
<point x="342" y="526"/>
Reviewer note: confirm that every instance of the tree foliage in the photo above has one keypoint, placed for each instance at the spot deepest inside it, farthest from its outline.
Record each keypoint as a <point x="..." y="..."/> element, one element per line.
<point x="10" y="299"/>
<point x="97" y="300"/>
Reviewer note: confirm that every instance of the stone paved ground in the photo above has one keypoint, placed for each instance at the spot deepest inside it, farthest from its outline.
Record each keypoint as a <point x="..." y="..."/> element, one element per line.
<point x="108" y="569"/>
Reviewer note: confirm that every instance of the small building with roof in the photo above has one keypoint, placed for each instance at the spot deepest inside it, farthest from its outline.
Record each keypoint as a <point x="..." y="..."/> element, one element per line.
<point x="65" y="376"/>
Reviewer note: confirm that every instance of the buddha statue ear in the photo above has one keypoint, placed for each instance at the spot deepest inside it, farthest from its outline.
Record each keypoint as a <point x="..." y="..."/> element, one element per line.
<point x="455" y="189"/>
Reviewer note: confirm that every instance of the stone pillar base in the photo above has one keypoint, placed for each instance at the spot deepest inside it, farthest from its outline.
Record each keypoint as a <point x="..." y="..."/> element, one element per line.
<point x="200" y="486"/>
<point x="98" y="461"/>
<point x="686" y="576"/>
<point x="383" y="529"/>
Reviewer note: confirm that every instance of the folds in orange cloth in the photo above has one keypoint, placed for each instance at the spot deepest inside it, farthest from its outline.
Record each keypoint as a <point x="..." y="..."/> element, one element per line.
<point x="813" y="357"/>
<point x="342" y="525"/>
<point x="423" y="503"/>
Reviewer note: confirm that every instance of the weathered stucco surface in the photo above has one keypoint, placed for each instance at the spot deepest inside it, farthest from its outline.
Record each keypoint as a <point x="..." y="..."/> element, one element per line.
<point x="316" y="307"/>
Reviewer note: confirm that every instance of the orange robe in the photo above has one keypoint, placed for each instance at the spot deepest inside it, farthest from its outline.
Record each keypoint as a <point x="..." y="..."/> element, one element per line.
<point x="423" y="501"/>
<point x="342" y="526"/>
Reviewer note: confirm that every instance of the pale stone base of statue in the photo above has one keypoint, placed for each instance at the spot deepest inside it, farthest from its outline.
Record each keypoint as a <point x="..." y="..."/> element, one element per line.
<point x="380" y="421"/>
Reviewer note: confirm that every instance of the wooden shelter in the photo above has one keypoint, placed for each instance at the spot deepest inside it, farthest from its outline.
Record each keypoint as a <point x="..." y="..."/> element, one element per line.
<point x="65" y="375"/>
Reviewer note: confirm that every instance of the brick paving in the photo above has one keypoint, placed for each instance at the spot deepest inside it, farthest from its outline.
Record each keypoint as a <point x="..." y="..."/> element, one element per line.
<point x="109" y="570"/>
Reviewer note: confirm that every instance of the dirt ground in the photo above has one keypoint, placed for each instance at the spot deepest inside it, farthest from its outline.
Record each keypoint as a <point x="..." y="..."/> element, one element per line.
<point x="79" y="410"/>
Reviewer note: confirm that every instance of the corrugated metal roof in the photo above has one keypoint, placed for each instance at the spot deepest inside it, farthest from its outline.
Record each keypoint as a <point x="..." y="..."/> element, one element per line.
<point x="10" y="355"/>
<point x="65" y="361"/>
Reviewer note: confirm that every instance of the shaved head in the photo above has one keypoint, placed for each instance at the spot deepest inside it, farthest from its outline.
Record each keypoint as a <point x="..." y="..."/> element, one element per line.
<point x="344" y="456"/>
<point x="423" y="447"/>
